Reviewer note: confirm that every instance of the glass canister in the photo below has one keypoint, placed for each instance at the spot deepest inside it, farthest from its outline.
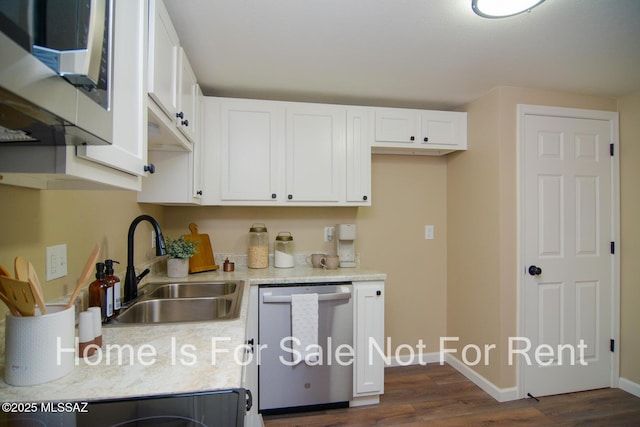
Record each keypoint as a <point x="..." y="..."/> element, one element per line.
<point x="283" y="250"/>
<point x="258" y="252"/>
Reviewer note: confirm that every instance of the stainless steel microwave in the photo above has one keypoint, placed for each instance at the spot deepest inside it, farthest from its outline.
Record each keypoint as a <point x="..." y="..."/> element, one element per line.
<point x="55" y="74"/>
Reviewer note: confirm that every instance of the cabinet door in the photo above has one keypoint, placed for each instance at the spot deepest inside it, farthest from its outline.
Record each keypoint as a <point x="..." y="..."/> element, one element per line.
<point x="315" y="145"/>
<point x="128" y="152"/>
<point x="163" y="58"/>
<point x="444" y="129"/>
<point x="368" y="325"/>
<point x="186" y="117"/>
<point x="250" y="156"/>
<point x="397" y="125"/>
<point x="198" y="153"/>
<point x="358" y="156"/>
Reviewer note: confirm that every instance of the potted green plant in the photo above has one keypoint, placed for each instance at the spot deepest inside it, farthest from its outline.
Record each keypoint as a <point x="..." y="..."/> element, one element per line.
<point x="179" y="251"/>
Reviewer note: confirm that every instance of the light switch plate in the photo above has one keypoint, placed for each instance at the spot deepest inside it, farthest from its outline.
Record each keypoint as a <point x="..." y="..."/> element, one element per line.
<point x="56" y="261"/>
<point x="428" y="232"/>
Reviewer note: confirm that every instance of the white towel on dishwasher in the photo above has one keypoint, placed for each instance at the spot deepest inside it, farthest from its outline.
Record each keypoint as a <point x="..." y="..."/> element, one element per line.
<point x="304" y="326"/>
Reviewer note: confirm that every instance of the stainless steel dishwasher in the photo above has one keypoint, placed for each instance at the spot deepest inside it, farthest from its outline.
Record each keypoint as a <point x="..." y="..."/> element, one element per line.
<point x="284" y="386"/>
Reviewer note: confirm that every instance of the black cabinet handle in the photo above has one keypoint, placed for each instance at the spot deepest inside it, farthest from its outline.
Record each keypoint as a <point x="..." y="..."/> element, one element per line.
<point x="413" y="138"/>
<point x="535" y="271"/>
<point x="273" y="195"/>
<point x="378" y="293"/>
<point x="150" y="168"/>
<point x="365" y="198"/>
<point x="180" y="115"/>
<point x="185" y="122"/>
<point x="199" y="192"/>
<point x="249" y="398"/>
<point x="426" y="139"/>
<point x="290" y="197"/>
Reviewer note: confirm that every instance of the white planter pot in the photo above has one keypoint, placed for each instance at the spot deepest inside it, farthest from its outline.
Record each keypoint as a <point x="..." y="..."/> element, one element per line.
<point x="177" y="267"/>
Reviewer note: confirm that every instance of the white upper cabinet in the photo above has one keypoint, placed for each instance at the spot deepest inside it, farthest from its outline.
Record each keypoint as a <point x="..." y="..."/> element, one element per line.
<point x="128" y="152"/>
<point x="282" y="154"/>
<point x="358" y="155"/>
<point x="406" y="131"/>
<point x="251" y="151"/>
<point x="186" y="118"/>
<point x="315" y="147"/>
<point x="171" y="85"/>
<point x="178" y="174"/>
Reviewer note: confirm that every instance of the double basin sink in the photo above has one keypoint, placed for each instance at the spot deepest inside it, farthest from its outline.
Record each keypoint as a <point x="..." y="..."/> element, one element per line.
<point x="183" y="302"/>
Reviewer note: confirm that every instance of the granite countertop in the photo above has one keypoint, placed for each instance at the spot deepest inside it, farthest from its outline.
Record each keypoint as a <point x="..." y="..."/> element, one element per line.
<point x="172" y="358"/>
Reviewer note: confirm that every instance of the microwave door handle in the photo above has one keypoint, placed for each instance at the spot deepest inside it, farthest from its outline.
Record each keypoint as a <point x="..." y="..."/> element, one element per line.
<point x="95" y="38"/>
<point x="268" y="298"/>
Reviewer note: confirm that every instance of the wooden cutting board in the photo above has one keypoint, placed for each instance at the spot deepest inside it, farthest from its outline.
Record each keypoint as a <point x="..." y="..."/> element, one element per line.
<point x="203" y="260"/>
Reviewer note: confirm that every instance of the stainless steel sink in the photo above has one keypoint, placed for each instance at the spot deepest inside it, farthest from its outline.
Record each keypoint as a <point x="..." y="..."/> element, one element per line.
<point x="183" y="302"/>
<point x="179" y="310"/>
<point x="190" y="290"/>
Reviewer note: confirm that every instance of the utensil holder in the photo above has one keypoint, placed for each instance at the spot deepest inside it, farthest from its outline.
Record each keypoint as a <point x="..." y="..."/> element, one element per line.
<point x="39" y="349"/>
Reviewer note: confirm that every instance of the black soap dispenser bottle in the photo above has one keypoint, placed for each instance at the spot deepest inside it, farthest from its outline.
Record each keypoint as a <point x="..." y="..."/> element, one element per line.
<point x="101" y="293"/>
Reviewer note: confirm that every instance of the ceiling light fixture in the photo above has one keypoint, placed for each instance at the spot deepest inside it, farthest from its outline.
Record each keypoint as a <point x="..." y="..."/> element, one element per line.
<point x="502" y="8"/>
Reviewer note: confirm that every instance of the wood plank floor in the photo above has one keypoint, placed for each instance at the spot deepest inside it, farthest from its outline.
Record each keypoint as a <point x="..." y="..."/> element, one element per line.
<point x="440" y="395"/>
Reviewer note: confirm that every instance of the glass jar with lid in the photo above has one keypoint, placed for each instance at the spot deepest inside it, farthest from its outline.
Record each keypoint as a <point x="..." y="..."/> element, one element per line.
<point x="258" y="249"/>
<point x="283" y="250"/>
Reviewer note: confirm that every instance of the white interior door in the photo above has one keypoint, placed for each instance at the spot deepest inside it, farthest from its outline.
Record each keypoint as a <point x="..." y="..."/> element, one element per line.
<point x="567" y="231"/>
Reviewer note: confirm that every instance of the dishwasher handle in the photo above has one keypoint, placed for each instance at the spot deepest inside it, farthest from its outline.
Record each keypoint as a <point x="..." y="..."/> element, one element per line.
<point x="268" y="298"/>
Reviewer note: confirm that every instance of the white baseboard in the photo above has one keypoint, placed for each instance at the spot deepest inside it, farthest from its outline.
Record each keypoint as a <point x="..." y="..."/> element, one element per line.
<point x="416" y="359"/>
<point x="629" y="386"/>
<point x="499" y="394"/>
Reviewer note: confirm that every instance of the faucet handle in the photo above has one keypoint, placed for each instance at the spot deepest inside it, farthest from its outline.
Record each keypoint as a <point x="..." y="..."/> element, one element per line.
<point x="141" y="275"/>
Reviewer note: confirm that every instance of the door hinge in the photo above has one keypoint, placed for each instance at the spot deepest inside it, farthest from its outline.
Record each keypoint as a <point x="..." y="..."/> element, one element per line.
<point x="613" y="247"/>
<point x="611" y="149"/>
<point x="612" y="345"/>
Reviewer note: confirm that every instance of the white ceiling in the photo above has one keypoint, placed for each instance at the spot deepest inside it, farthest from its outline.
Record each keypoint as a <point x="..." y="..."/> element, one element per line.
<point x="406" y="53"/>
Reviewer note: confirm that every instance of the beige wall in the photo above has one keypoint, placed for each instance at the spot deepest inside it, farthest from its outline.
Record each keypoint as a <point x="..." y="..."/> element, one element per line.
<point x="31" y="220"/>
<point x="408" y="193"/>
<point x="482" y="214"/>
<point x="629" y="109"/>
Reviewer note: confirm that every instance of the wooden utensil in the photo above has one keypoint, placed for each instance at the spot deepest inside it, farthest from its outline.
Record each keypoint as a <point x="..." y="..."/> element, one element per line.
<point x="20" y="295"/>
<point x="88" y="267"/>
<point x="203" y="260"/>
<point x="36" y="288"/>
<point x="21" y="268"/>
<point x="4" y="272"/>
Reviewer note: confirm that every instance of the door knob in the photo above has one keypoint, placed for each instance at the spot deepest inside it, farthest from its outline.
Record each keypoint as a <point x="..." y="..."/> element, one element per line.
<point x="535" y="271"/>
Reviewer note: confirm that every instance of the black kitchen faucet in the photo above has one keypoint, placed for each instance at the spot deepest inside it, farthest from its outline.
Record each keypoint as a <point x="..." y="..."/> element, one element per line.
<point x="130" y="281"/>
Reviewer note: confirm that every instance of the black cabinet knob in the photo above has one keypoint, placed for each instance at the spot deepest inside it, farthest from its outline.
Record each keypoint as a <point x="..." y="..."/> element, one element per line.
<point x="413" y="138"/>
<point x="185" y="122"/>
<point x="273" y="195"/>
<point x="378" y="293"/>
<point x="365" y="198"/>
<point x="426" y="139"/>
<point x="150" y="168"/>
<point x="199" y="192"/>
<point x="290" y="197"/>
<point x="180" y="115"/>
<point x="535" y="271"/>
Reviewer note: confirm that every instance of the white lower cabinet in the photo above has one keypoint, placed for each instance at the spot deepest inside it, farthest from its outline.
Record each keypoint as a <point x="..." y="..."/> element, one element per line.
<point x="368" y="337"/>
<point x="250" y="368"/>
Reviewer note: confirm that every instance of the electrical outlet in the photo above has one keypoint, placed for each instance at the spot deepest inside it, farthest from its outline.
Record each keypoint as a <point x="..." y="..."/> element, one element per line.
<point x="328" y="234"/>
<point x="428" y="232"/>
<point x="56" y="262"/>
